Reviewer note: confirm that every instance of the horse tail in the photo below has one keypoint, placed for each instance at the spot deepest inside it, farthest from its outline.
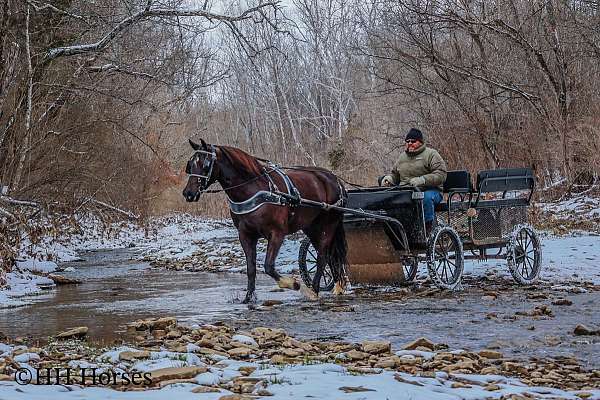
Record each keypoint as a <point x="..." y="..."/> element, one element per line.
<point x="338" y="261"/>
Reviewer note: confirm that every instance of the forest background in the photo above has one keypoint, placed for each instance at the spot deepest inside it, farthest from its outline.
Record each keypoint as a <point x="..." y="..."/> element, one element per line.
<point x="98" y="98"/>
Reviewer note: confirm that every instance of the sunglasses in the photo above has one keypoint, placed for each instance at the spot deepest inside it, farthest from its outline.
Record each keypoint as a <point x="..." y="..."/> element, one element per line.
<point x="410" y="141"/>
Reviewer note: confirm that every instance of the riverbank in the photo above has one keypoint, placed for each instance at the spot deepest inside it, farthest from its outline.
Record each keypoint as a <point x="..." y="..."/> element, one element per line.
<point x="216" y="361"/>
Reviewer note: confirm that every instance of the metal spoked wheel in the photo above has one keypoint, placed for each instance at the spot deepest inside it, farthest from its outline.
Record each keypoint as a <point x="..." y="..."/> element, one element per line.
<point x="524" y="255"/>
<point x="307" y="263"/>
<point x="445" y="258"/>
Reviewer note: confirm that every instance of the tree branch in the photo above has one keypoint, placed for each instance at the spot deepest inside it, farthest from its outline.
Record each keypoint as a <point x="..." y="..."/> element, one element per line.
<point x="146" y="14"/>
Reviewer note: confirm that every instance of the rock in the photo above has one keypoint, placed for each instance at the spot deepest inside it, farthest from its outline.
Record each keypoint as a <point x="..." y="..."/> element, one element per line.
<point x="490" y="354"/>
<point x="247" y="370"/>
<point x="387" y="362"/>
<point x="420" y="342"/>
<point x="355" y="389"/>
<point x="562" y="302"/>
<point x="490" y="371"/>
<point x="264" y="392"/>
<point x="376" y="347"/>
<point x="355" y="355"/>
<point x="174" y="334"/>
<point x="458" y="385"/>
<point x="206" y="343"/>
<point x="235" y="397"/>
<point x="461" y="365"/>
<point x="583" y="395"/>
<point x="78" y="332"/>
<point x="205" y="389"/>
<point x="244" y="339"/>
<point x="270" y="303"/>
<point x="491" y="387"/>
<point x="165" y="374"/>
<point x="514" y="368"/>
<point x="133" y="355"/>
<point x="268" y="333"/>
<point x="159" y="334"/>
<point x="63" y="280"/>
<point x="241" y="352"/>
<point x="278" y="359"/>
<point x="163" y="384"/>
<point x="154" y="323"/>
<point x="4" y="377"/>
<point x="292" y="352"/>
<point x="342" y="309"/>
<point x="582" y="330"/>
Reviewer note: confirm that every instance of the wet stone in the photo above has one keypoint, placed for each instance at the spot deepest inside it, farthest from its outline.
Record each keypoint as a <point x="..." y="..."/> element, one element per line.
<point x="133" y="355"/>
<point x="205" y="389"/>
<point x="78" y="332"/>
<point x="357" y="355"/>
<point x="562" y="302"/>
<point x="164" y="374"/>
<point x="490" y="354"/>
<point x="583" y="330"/>
<point x="420" y="342"/>
<point x="376" y="347"/>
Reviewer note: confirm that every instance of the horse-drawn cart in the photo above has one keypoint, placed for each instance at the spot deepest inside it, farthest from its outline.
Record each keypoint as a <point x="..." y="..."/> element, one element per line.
<point x="387" y="238"/>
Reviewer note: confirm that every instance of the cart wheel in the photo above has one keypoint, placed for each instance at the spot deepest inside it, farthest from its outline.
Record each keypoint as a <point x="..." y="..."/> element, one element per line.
<point x="524" y="255"/>
<point x="307" y="263"/>
<point x="410" y="271"/>
<point x="445" y="258"/>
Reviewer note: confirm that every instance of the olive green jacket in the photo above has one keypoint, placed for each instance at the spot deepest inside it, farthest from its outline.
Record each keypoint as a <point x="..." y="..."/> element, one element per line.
<point x="425" y="163"/>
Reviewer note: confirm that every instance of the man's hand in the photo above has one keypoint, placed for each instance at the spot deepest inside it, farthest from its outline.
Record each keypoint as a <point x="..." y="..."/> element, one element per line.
<point x="387" y="181"/>
<point x="417" y="182"/>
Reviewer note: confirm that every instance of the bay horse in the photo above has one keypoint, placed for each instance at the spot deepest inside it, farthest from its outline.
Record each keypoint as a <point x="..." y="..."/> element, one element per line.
<point x="242" y="176"/>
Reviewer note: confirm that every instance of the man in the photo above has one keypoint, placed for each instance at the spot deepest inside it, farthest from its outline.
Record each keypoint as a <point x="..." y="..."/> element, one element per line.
<point x="422" y="167"/>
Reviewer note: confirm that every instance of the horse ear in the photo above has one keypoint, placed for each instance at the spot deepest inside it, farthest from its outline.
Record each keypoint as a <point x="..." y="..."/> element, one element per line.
<point x="194" y="145"/>
<point x="204" y="145"/>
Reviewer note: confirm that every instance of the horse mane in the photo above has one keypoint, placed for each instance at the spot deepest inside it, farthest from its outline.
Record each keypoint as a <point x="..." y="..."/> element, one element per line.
<point x="238" y="157"/>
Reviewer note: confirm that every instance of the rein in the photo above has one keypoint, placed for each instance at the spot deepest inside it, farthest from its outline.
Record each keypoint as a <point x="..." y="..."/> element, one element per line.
<point x="273" y="168"/>
<point x="264" y="174"/>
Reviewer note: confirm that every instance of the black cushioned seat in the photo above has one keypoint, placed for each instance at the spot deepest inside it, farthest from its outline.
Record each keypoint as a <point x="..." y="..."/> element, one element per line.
<point x="458" y="182"/>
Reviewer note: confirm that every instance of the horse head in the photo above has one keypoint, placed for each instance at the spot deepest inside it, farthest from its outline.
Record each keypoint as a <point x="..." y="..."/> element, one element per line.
<point x="200" y="169"/>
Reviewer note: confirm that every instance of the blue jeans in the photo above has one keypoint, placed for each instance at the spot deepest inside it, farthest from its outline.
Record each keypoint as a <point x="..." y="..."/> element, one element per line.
<point x="432" y="197"/>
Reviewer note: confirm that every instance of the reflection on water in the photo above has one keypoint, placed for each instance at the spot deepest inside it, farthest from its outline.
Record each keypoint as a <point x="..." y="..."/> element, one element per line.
<point x="117" y="289"/>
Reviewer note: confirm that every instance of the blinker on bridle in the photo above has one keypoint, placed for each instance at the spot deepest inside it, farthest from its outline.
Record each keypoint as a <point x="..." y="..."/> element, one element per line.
<point x="207" y="164"/>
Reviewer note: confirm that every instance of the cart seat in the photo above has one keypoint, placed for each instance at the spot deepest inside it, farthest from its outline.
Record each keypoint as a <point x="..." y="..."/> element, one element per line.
<point x="505" y="179"/>
<point x="458" y="182"/>
<point x="457" y="185"/>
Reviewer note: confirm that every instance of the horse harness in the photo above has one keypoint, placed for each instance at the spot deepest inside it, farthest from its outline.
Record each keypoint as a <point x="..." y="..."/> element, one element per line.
<point x="272" y="196"/>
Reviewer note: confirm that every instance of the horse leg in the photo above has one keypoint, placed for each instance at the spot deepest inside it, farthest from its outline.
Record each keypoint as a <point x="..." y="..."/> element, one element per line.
<point x="249" y="245"/>
<point x="273" y="247"/>
<point x="332" y="247"/>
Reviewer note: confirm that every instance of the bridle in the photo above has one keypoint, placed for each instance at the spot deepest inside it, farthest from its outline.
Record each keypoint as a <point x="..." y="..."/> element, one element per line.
<point x="208" y="164"/>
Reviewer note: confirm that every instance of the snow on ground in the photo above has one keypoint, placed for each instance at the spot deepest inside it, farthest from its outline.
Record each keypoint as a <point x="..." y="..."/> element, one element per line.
<point x="580" y="205"/>
<point x="564" y="259"/>
<point x="283" y="382"/>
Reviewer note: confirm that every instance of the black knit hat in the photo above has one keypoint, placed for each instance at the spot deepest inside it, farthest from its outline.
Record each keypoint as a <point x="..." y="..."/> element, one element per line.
<point x="414" y="134"/>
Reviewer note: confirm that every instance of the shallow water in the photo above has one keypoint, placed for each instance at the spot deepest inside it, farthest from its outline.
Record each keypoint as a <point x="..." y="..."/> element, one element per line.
<point x="117" y="290"/>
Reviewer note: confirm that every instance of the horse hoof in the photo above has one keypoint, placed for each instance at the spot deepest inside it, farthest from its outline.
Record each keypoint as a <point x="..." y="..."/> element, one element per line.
<point x="288" y="283"/>
<point x="309" y="293"/>
<point x="249" y="299"/>
<point x="338" y="289"/>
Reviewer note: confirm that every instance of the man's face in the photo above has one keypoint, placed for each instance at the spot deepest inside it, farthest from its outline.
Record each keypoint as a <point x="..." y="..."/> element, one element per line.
<point x="412" y="145"/>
